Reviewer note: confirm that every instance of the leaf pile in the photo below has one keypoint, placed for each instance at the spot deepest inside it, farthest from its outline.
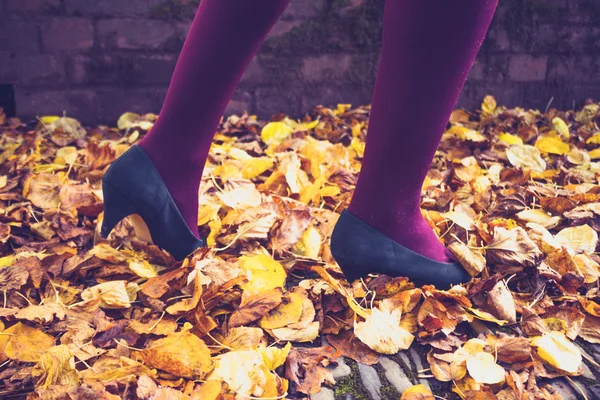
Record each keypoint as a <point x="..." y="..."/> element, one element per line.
<point x="513" y="193"/>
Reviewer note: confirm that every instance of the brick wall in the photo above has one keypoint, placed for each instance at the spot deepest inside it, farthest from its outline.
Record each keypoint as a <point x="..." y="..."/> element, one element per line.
<point x="95" y="59"/>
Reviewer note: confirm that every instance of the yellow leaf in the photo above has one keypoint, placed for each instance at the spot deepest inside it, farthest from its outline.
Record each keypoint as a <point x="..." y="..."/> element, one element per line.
<point x="579" y="239"/>
<point x="142" y="268"/>
<point x="207" y="212"/>
<point x="552" y="144"/>
<point x="284" y="314"/>
<point x="417" y="392"/>
<point x="274" y="357"/>
<point x="484" y="316"/>
<point x="489" y="105"/>
<point x="341" y="108"/>
<point x="329" y="191"/>
<point x="484" y="369"/>
<point x="381" y="331"/>
<point x="358" y="146"/>
<point x="181" y="354"/>
<point x="309" y="244"/>
<point x="594" y="154"/>
<point x="113" y="294"/>
<point x="66" y="155"/>
<point x="595" y="139"/>
<point x="275" y="132"/>
<point x="561" y="127"/>
<point x="48" y="119"/>
<point x="540" y="217"/>
<point x="357" y="128"/>
<point x="132" y="120"/>
<point x="7" y="260"/>
<point x="56" y="367"/>
<point x="209" y="390"/>
<point x="465" y="133"/>
<point x="510" y="139"/>
<point x="215" y="226"/>
<point x="307" y="126"/>
<point x="26" y="344"/>
<point x="256" y="166"/>
<point x="555" y="349"/>
<point x="311" y="192"/>
<point x="264" y="273"/>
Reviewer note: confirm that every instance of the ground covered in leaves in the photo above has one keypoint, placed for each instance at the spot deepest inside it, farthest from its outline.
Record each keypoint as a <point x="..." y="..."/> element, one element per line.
<point x="513" y="193"/>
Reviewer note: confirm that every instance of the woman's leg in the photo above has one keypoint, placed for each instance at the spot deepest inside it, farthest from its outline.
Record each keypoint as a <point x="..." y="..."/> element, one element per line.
<point x="429" y="46"/>
<point x="222" y="41"/>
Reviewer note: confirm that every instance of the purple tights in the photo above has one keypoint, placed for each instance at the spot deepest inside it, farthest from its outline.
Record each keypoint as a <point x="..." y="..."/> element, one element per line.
<point x="429" y="46"/>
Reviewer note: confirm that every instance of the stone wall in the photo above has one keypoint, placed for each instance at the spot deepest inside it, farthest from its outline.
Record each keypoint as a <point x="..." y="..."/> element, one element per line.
<point x="95" y="59"/>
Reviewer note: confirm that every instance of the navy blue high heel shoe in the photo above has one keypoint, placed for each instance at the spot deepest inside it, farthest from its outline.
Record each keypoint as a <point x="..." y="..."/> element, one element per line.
<point x="133" y="187"/>
<point x="359" y="249"/>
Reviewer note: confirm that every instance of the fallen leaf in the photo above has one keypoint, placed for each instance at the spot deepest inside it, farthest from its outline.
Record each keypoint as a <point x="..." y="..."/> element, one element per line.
<point x="381" y="331"/>
<point x="417" y="392"/>
<point x="56" y="367"/>
<point x="182" y="354"/>
<point x="26" y="344"/>
<point x="555" y="349"/>
<point x="255" y="307"/>
<point x="578" y="238"/>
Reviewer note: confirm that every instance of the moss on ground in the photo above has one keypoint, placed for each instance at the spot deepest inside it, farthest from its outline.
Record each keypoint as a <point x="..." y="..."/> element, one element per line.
<point x="351" y="384"/>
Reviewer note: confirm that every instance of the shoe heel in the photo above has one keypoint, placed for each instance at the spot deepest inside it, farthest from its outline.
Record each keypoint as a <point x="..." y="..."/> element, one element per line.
<point x="116" y="208"/>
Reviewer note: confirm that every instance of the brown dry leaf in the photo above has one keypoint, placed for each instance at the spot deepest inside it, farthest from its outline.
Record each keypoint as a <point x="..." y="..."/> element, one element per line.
<point x="12" y="277"/>
<point x="590" y="329"/>
<point x="291" y="229"/>
<point x="254" y="307"/>
<point x="352" y="347"/>
<point x="306" y="368"/>
<point x="472" y="260"/>
<point x="159" y="325"/>
<point x="26" y="344"/>
<point x="160" y="285"/>
<point x="244" y="338"/>
<point x="501" y="302"/>
<point x="433" y="316"/>
<point x="42" y="190"/>
<point x="513" y="247"/>
<point x="41" y="314"/>
<point x="513" y="349"/>
<point x="181" y="354"/>
<point x="306" y="334"/>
